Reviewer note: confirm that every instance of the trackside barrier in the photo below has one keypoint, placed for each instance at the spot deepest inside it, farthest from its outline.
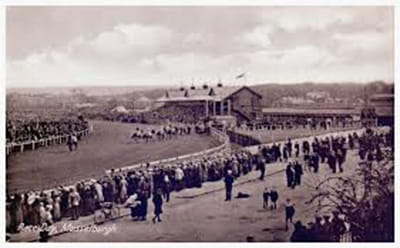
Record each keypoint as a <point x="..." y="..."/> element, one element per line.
<point x="33" y="144"/>
<point x="255" y="149"/>
<point x="219" y="135"/>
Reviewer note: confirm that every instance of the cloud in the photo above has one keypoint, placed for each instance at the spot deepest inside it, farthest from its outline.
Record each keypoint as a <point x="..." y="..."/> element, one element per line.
<point x="167" y="45"/>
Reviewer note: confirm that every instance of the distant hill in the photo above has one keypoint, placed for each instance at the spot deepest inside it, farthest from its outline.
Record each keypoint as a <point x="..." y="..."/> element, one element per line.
<point x="272" y="93"/>
<point x="347" y="93"/>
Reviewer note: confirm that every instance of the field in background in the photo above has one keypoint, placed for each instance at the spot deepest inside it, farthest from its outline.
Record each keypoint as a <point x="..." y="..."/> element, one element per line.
<point x="109" y="146"/>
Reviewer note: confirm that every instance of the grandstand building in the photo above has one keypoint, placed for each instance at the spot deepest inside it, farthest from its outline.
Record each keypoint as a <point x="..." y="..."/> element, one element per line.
<point x="240" y="102"/>
<point x="383" y="109"/>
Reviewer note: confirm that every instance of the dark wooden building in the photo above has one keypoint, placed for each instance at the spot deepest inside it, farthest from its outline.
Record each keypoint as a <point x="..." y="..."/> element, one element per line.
<point x="382" y="106"/>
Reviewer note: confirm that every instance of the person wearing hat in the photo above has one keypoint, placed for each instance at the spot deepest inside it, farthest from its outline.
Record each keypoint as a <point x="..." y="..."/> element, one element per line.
<point x="261" y="166"/>
<point x="266" y="196"/>
<point x="316" y="230"/>
<point x="157" y="201"/>
<point x="273" y="194"/>
<point x="56" y="205"/>
<point x="289" y="212"/>
<point x="298" y="172"/>
<point x="338" y="226"/>
<point x="74" y="200"/>
<point x="300" y="233"/>
<point x="290" y="175"/>
<point x="326" y="229"/>
<point x="229" y="179"/>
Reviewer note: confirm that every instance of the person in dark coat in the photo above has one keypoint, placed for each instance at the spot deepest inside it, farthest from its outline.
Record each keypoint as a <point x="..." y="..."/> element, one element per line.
<point x="338" y="227"/>
<point x="278" y="152"/>
<point x="266" y="196"/>
<point x="273" y="194"/>
<point x="285" y="153"/>
<point x="340" y="159"/>
<point x="290" y="176"/>
<point x="326" y="230"/>
<point x="289" y="213"/>
<point x="332" y="162"/>
<point x="157" y="201"/>
<point x="229" y="179"/>
<point x="315" y="162"/>
<point x="289" y="146"/>
<point x="261" y="167"/>
<point x="315" y="230"/>
<point x="134" y="204"/>
<point x="297" y="149"/>
<point x="298" y="172"/>
<point x="351" y="142"/>
<point x="300" y="233"/>
<point x="143" y="206"/>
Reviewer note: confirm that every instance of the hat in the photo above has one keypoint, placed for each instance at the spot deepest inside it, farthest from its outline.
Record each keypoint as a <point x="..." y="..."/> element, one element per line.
<point x="31" y="199"/>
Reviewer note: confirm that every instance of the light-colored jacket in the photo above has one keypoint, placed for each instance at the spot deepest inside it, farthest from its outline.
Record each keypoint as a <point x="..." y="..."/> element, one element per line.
<point x="74" y="199"/>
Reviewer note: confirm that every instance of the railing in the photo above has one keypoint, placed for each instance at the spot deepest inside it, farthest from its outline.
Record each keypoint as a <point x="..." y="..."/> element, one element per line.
<point x="242" y="139"/>
<point x="221" y="136"/>
<point x="254" y="149"/>
<point x="34" y="144"/>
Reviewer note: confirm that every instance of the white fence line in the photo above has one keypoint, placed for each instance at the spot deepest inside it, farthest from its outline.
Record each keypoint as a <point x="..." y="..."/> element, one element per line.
<point x="42" y="142"/>
<point x="221" y="136"/>
<point x="218" y="134"/>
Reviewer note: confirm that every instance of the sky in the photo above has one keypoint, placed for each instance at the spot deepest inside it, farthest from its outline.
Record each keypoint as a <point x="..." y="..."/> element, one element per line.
<point x="149" y="46"/>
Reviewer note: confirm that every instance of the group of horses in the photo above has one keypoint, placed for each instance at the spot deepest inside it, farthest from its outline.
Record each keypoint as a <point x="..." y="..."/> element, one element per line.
<point x="163" y="133"/>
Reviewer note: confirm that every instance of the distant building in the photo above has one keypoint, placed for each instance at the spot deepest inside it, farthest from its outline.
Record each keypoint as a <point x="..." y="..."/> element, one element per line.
<point x="383" y="108"/>
<point x="290" y="100"/>
<point x="317" y="95"/>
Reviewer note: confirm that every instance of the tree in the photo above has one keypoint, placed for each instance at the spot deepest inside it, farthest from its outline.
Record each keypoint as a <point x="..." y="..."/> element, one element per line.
<point x="366" y="199"/>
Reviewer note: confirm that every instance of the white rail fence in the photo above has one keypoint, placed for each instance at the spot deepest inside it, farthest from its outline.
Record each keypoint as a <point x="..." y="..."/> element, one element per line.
<point x="34" y="144"/>
<point x="221" y="136"/>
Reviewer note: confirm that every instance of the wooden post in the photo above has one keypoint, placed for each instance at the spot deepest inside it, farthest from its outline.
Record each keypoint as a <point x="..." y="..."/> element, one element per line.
<point x="22" y="147"/>
<point x="214" y="108"/>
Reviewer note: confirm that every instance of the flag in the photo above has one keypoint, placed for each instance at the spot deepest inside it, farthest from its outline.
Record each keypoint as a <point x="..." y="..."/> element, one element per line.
<point x="241" y="75"/>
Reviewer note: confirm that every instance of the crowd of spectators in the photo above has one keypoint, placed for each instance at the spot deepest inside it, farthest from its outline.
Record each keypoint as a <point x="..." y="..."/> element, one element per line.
<point x="36" y="208"/>
<point x="295" y="124"/>
<point x="19" y="130"/>
<point x="84" y="198"/>
<point x="182" y="114"/>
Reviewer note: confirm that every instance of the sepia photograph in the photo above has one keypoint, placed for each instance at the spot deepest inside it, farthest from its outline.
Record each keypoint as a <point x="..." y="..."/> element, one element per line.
<point x="199" y="124"/>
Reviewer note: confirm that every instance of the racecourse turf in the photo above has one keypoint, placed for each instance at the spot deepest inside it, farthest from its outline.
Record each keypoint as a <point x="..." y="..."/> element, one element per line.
<point x="109" y="146"/>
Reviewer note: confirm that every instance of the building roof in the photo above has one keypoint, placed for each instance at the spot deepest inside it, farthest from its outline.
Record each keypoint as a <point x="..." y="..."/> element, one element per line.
<point x="201" y="94"/>
<point x="143" y="99"/>
<point x="382" y="97"/>
<point x="384" y="111"/>
<point x="120" y="109"/>
<point x="297" y="111"/>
